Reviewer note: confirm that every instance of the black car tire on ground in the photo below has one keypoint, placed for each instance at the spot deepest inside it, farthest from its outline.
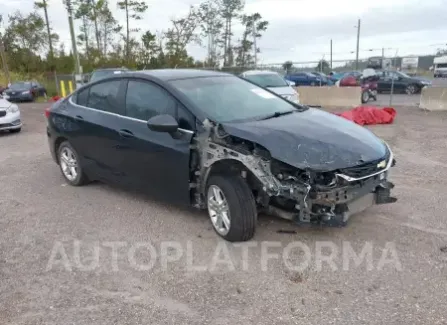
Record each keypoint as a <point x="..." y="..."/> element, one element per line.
<point x="241" y="204"/>
<point x="411" y="89"/>
<point x="15" y="130"/>
<point x="81" y="178"/>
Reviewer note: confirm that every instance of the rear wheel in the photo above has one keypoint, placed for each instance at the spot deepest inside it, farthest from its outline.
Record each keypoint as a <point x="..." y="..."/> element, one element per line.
<point x="231" y="207"/>
<point x="70" y="165"/>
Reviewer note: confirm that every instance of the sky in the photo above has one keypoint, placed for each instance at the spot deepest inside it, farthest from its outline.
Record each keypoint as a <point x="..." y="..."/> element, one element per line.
<point x="301" y="30"/>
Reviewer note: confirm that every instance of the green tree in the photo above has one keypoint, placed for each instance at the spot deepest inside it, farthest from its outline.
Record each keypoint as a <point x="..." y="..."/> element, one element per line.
<point x="323" y="66"/>
<point x="133" y="10"/>
<point x="108" y="27"/>
<point x="44" y="6"/>
<point x="254" y="26"/>
<point x="211" y="25"/>
<point x="230" y="10"/>
<point x="83" y="13"/>
<point x="182" y="33"/>
<point x="287" y="66"/>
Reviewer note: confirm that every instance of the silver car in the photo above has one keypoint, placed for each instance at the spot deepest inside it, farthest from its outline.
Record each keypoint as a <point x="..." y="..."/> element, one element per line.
<point x="9" y="116"/>
<point x="274" y="82"/>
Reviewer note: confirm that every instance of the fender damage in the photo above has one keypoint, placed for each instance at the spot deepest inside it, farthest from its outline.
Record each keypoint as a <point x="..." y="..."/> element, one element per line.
<point x="307" y="185"/>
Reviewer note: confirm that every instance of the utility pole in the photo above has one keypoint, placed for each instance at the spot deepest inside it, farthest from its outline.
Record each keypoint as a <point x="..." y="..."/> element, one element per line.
<point x="357" y="50"/>
<point x="3" y="55"/>
<point x="254" y="44"/>
<point x="69" y="7"/>
<point x="331" y="54"/>
<point x="383" y="57"/>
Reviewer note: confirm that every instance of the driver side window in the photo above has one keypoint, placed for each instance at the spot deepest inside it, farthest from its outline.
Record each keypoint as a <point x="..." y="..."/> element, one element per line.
<point x="145" y="100"/>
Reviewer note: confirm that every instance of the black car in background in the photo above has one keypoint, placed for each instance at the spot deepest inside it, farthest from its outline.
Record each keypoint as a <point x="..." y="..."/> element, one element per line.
<point x="220" y="143"/>
<point x="24" y="91"/>
<point x="401" y="82"/>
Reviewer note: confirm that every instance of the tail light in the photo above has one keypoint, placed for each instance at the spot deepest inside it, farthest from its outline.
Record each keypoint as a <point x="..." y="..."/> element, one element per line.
<point x="47" y="112"/>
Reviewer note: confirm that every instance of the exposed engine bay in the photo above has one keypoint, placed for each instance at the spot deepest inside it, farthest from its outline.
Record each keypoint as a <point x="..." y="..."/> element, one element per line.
<point x="301" y="195"/>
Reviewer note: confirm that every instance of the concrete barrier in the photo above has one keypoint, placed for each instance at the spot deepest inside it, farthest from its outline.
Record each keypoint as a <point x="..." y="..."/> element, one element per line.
<point x="330" y="96"/>
<point x="434" y="98"/>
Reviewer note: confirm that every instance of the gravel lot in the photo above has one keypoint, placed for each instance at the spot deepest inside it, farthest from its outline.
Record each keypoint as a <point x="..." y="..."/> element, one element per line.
<point x="38" y="212"/>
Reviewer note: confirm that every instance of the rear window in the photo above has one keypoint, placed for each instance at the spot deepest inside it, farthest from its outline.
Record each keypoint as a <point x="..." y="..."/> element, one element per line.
<point x="441" y="65"/>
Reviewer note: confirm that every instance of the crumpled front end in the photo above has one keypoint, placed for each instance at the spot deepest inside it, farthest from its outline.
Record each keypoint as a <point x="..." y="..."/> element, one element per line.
<point x="305" y="196"/>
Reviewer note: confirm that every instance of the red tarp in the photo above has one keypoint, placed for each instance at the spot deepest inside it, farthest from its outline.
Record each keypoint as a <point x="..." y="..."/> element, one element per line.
<point x="369" y="115"/>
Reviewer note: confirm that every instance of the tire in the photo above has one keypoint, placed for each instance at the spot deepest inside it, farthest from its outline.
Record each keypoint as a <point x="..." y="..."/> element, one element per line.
<point x="365" y="97"/>
<point x="15" y="130"/>
<point x="241" y="207"/>
<point x="411" y="89"/>
<point x="80" y="178"/>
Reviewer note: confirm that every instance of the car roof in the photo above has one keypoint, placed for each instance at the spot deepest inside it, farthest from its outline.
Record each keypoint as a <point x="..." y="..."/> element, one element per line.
<point x="257" y="72"/>
<point x="175" y="74"/>
<point x="111" y="69"/>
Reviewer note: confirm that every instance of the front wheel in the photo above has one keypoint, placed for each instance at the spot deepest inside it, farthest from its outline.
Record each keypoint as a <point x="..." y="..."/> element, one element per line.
<point x="231" y="207"/>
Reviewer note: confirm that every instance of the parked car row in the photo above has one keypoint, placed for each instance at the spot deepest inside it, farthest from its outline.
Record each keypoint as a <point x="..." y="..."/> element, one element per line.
<point x="22" y="91"/>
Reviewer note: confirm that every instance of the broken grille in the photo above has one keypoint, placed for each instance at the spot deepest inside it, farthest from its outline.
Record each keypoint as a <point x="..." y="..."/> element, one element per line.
<point x="366" y="169"/>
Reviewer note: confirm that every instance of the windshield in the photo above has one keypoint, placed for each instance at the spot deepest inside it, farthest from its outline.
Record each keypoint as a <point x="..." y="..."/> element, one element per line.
<point x="267" y="80"/>
<point x="20" y="85"/>
<point x="403" y="75"/>
<point x="104" y="73"/>
<point x="231" y="99"/>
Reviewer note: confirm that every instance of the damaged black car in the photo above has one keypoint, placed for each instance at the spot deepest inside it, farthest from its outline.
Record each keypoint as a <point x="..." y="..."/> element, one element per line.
<point x="222" y="144"/>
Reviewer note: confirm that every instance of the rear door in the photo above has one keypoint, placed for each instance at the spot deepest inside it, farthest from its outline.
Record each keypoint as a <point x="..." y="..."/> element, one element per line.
<point x="100" y="119"/>
<point x="158" y="163"/>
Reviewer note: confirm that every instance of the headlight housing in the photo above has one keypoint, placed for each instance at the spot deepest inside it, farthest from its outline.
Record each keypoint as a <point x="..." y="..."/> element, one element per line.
<point x="12" y="109"/>
<point x="25" y="92"/>
<point x="292" y="98"/>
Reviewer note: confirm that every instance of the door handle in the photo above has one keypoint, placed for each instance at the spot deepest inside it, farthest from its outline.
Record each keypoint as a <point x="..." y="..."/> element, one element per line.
<point x="126" y="133"/>
<point x="79" y="118"/>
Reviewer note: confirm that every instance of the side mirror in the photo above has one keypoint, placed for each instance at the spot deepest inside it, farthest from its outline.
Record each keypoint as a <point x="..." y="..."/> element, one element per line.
<point x="291" y="83"/>
<point x="163" y="123"/>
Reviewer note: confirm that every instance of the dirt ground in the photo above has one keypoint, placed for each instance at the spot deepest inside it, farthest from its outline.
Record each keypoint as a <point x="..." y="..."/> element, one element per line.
<point x="43" y="279"/>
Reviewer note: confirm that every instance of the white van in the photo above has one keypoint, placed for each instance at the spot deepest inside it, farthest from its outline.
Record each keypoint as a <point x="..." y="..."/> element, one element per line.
<point x="440" y="67"/>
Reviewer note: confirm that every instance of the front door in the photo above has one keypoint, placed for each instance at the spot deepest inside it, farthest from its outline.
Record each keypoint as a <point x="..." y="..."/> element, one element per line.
<point x="158" y="163"/>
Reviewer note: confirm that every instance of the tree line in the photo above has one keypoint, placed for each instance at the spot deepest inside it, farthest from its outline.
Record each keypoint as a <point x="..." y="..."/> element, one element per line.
<point x="32" y="45"/>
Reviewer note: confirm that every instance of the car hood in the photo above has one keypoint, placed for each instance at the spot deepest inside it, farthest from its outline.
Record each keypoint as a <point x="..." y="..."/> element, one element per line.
<point x="4" y="103"/>
<point x="282" y="90"/>
<point x="312" y="139"/>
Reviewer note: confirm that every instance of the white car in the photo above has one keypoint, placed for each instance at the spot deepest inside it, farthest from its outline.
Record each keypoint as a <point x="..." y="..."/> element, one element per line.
<point x="274" y="82"/>
<point x="9" y="116"/>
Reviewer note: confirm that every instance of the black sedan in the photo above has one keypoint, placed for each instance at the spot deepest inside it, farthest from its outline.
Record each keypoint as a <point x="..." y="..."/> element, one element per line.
<point x="24" y="91"/>
<point x="220" y="143"/>
<point x="400" y="82"/>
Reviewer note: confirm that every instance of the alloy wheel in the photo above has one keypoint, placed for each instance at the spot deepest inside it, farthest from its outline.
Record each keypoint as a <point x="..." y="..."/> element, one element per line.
<point x="410" y="90"/>
<point x="69" y="164"/>
<point x="218" y="210"/>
